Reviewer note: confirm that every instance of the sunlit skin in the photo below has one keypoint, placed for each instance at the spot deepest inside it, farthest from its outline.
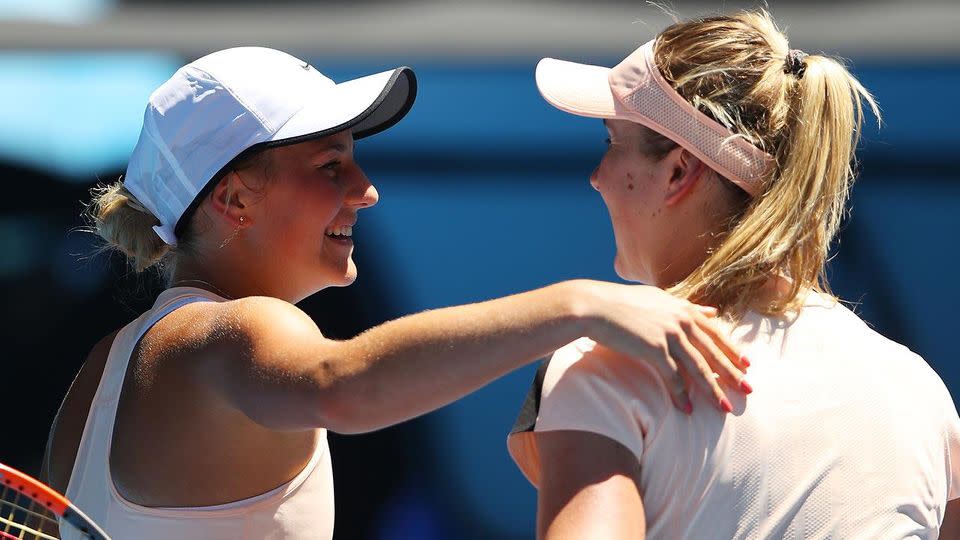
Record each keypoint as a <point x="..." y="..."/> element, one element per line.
<point x="280" y="248"/>
<point x="666" y="214"/>
<point x="253" y="378"/>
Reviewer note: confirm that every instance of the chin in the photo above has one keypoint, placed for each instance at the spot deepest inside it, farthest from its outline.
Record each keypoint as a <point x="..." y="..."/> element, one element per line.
<point x="628" y="273"/>
<point x="345" y="276"/>
<point x="621" y="269"/>
<point x="346" y="280"/>
<point x="336" y="273"/>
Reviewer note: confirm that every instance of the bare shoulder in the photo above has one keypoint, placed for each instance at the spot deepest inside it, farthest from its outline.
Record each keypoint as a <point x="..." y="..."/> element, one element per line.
<point x="186" y="376"/>
<point x="68" y="426"/>
<point x="266" y="318"/>
<point x="248" y="328"/>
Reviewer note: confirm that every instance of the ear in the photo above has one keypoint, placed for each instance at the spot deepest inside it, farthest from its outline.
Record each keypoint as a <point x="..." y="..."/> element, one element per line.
<point x="686" y="170"/>
<point x="232" y="199"/>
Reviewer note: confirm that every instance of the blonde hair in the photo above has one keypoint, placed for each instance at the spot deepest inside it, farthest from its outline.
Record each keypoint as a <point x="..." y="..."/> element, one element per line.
<point x="126" y="225"/>
<point x="734" y="69"/>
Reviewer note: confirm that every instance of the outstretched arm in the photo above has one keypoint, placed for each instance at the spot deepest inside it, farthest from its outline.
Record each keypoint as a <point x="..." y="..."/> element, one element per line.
<point x="269" y="359"/>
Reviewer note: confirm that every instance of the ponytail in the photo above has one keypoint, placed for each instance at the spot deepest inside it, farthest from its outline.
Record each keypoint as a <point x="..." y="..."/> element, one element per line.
<point x="733" y="69"/>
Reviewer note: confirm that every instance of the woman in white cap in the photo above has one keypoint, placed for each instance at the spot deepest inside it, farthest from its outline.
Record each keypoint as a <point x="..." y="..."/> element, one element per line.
<point x="727" y="172"/>
<point x="206" y="416"/>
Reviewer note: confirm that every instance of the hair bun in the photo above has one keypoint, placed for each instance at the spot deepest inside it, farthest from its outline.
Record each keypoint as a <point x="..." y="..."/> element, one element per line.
<point x="119" y="218"/>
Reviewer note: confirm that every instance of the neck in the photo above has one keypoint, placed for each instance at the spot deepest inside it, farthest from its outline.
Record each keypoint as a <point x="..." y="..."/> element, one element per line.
<point x="189" y="272"/>
<point x="698" y="228"/>
<point x="680" y="256"/>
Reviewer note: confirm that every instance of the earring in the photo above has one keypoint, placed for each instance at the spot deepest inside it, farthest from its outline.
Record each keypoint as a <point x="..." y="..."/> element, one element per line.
<point x="234" y="234"/>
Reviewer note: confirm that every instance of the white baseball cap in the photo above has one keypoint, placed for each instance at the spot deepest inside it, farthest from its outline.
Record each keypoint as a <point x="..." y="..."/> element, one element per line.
<point x="236" y="100"/>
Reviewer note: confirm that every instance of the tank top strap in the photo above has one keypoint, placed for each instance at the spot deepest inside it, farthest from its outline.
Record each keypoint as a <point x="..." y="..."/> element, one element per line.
<point x="127" y="339"/>
<point x="299" y="509"/>
<point x="91" y="467"/>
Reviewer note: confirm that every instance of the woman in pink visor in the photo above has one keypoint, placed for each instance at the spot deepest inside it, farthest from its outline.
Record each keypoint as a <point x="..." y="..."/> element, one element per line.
<point x="206" y="417"/>
<point x="727" y="173"/>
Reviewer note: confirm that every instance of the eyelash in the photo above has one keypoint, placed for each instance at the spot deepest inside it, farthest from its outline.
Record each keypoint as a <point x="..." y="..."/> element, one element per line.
<point x="607" y="141"/>
<point x="332" y="166"/>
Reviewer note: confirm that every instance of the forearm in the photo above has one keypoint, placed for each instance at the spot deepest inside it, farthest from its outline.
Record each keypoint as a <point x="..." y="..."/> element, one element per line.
<point x="418" y="363"/>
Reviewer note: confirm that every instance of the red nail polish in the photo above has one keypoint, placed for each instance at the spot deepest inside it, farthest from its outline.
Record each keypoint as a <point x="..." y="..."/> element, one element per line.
<point x="688" y="408"/>
<point x="744" y="360"/>
<point x="745" y="386"/>
<point x="725" y="405"/>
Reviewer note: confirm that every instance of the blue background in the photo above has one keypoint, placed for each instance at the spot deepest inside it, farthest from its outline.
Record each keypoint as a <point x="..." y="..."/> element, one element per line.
<point x="484" y="192"/>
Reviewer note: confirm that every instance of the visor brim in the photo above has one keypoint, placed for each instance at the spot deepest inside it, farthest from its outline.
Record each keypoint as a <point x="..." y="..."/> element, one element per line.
<point x="580" y="89"/>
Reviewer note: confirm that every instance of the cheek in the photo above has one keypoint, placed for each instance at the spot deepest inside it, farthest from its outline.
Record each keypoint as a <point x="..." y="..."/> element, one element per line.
<point x="304" y="210"/>
<point x="618" y="172"/>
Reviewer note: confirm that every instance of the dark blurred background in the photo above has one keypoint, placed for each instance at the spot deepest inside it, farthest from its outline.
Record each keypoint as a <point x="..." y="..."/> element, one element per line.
<point x="483" y="188"/>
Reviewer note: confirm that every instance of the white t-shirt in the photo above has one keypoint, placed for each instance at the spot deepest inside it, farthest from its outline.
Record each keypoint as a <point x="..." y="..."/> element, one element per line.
<point x="846" y="435"/>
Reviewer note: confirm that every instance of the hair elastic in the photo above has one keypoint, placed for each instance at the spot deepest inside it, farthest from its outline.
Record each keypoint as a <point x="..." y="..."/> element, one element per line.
<point x="795" y="63"/>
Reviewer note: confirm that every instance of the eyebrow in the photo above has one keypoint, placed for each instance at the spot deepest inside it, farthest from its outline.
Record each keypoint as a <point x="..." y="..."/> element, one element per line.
<point x="327" y="148"/>
<point x="339" y="147"/>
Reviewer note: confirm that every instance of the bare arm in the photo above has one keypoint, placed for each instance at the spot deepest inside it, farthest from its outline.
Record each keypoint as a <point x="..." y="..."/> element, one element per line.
<point x="950" y="529"/>
<point x="269" y="359"/>
<point x="589" y="488"/>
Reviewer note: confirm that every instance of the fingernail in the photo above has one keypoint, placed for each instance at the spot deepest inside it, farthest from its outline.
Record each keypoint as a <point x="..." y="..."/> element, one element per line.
<point x="688" y="408"/>
<point x="744" y="360"/>
<point x="725" y="405"/>
<point x="745" y="386"/>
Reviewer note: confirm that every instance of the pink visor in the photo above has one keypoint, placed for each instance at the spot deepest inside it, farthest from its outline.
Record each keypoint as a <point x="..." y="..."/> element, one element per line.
<point x="635" y="90"/>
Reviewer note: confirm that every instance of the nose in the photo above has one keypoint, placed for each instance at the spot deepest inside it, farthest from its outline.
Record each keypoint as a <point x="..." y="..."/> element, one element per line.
<point x="363" y="194"/>
<point x="594" y="181"/>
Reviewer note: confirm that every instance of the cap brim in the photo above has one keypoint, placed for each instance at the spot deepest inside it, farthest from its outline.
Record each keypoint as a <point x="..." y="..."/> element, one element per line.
<point x="367" y="106"/>
<point x="579" y="89"/>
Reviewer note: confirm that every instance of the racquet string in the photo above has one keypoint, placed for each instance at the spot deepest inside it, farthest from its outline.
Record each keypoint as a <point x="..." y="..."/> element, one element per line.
<point x="22" y="518"/>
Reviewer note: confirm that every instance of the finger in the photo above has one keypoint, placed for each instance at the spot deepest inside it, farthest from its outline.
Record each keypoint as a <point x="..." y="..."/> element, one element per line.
<point x="693" y="365"/>
<point x="673" y="380"/>
<point x="719" y="337"/>
<point x="707" y="311"/>
<point x="723" y="369"/>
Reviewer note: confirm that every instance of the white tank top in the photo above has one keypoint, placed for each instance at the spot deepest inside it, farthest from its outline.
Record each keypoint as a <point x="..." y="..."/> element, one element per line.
<point x="300" y="509"/>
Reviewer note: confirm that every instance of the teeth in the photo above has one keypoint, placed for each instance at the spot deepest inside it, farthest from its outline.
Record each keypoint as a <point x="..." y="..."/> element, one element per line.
<point x="344" y="230"/>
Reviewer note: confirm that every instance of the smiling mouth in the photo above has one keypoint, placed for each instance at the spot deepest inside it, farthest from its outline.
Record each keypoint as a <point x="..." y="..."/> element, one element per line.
<point x="341" y="235"/>
<point x="344" y="231"/>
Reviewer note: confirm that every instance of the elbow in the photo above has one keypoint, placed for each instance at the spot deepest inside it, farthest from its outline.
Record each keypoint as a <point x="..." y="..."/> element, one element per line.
<point x="341" y="406"/>
<point x="342" y="411"/>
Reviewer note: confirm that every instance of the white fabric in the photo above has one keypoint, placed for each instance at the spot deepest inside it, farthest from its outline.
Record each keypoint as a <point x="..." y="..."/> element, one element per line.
<point x="216" y="107"/>
<point x="635" y="90"/>
<point x="847" y="434"/>
<point x="300" y="509"/>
